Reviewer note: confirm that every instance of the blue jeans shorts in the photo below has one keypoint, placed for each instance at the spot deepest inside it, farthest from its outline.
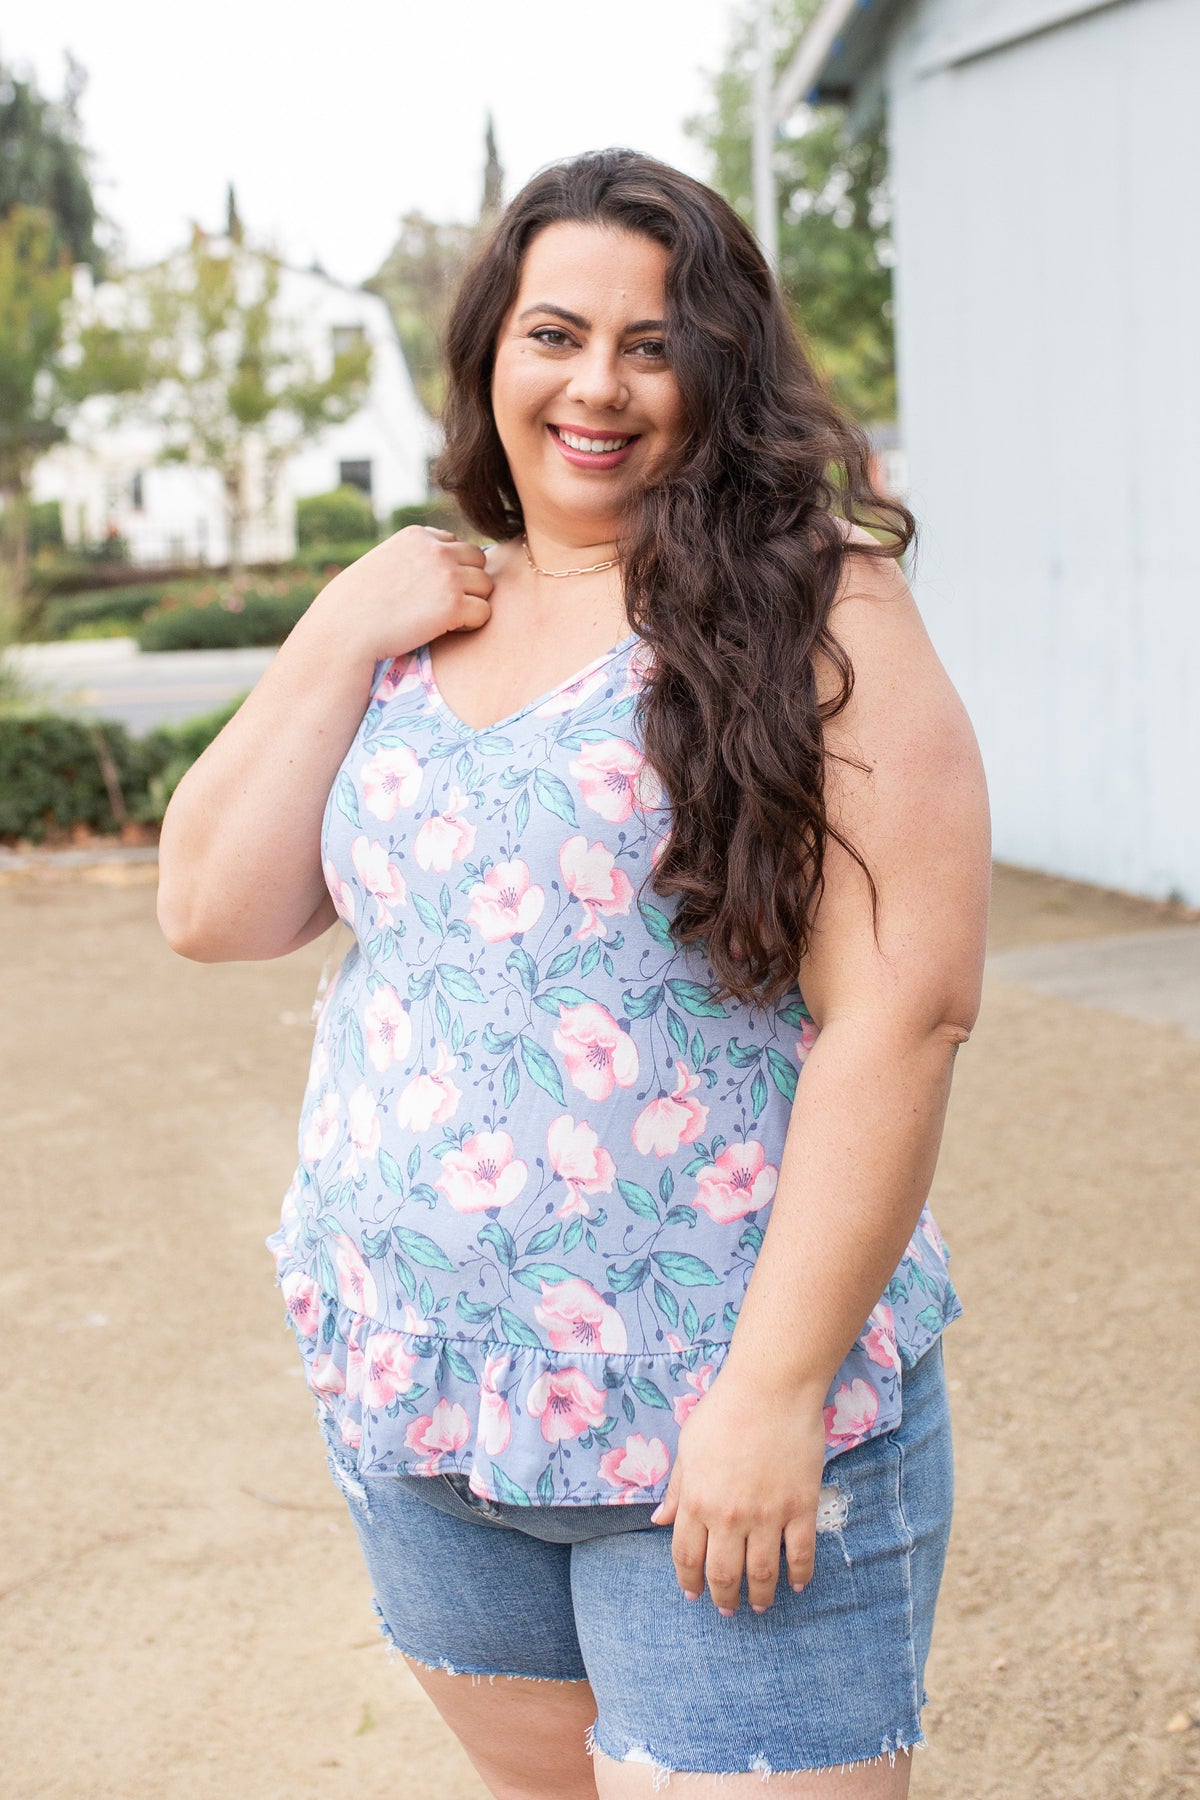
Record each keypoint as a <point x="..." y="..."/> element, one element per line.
<point x="831" y="1675"/>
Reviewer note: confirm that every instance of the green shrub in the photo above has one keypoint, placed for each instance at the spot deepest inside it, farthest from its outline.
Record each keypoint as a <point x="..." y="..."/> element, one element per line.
<point x="233" y="622"/>
<point x="45" y="526"/>
<point x="105" y="606"/>
<point x="345" y="515"/>
<point x="320" y="558"/>
<point x="441" y="513"/>
<point x="52" y="770"/>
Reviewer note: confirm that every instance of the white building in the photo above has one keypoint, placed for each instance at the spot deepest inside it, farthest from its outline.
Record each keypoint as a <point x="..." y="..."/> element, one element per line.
<point x="109" y="478"/>
<point x="1044" y="155"/>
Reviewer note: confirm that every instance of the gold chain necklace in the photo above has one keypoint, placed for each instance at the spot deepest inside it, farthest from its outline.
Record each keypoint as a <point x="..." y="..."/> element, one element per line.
<point x="594" y="568"/>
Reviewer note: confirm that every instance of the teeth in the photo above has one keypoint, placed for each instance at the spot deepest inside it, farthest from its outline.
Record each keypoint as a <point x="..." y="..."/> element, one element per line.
<point x="596" y="444"/>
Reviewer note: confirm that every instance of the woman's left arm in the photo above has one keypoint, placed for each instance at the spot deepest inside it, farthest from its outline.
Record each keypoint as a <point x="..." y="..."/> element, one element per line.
<point x="866" y="1123"/>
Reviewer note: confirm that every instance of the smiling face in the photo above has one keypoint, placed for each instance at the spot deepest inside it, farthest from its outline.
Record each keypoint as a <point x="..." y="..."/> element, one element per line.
<point x="583" y="396"/>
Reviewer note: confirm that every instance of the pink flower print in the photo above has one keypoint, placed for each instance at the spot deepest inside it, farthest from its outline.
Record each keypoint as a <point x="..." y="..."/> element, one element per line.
<point x="606" y="773"/>
<point x="648" y="791"/>
<point x="571" y="693"/>
<point x="701" y="1380"/>
<point x="495" y="1424"/>
<point x="806" y="1040"/>
<point x="365" y="1130"/>
<point x="566" y="1402"/>
<point x="879" y="1341"/>
<point x="577" y="1158"/>
<point x="576" y="1318"/>
<point x="505" y="902"/>
<point x="598" y="1054"/>
<point x="445" y="837"/>
<point x="672" y="1119"/>
<point x="439" y="1434"/>
<point x="356" y="1284"/>
<point x="635" y="1465"/>
<point x="389" y="1368"/>
<point x="303" y="1299"/>
<point x="356" y="1362"/>
<point x="739" y="1182"/>
<point x="351" y="1432"/>
<point x="325" y="1378"/>
<point x="593" y="878"/>
<point x="390" y="780"/>
<point x="483" y="1173"/>
<point x="380" y="878"/>
<point x="341" y="891"/>
<point x="388" y="1028"/>
<point x="431" y="1097"/>
<point x="401" y="674"/>
<point x="322" y="1129"/>
<point x="849" y="1420"/>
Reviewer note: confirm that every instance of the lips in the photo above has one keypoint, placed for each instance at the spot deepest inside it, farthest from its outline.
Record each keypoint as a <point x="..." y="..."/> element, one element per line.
<point x="591" y="449"/>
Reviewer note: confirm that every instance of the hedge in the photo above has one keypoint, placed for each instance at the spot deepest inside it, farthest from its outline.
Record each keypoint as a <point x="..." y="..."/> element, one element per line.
<point x="56" y="772"/>
<point x="343" y="514"/>
<point x="123" y="606"/>
<point x="227" y="623"/>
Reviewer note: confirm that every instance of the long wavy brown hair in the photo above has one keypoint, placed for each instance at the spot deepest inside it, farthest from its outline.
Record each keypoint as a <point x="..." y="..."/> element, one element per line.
<point x="733" y="554"/>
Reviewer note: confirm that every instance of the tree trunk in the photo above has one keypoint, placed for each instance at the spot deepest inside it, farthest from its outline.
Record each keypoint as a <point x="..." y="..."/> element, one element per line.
<point x="14" y="553"/>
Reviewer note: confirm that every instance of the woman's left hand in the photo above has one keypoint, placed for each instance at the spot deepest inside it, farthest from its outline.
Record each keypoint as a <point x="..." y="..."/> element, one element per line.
<point x="747" y="1474"/>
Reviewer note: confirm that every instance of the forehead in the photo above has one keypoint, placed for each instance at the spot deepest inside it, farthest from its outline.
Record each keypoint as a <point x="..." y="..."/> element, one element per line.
<point x="593" y="268"/>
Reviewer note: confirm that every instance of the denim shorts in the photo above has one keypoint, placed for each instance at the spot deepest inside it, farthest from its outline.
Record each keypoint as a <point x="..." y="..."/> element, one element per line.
<point x="833" y="1674"/>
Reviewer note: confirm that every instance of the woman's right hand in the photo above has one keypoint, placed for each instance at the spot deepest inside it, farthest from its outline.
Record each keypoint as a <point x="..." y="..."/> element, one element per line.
<point x="410" y="589"/>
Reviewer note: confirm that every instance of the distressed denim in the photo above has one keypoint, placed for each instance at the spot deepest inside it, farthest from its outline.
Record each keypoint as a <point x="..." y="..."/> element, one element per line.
<point x="833" y="1675"/>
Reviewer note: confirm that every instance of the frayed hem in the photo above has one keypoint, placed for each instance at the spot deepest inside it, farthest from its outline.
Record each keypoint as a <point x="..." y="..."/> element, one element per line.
<point x="396" y="1652"/>
<point x="661" y="1772"/>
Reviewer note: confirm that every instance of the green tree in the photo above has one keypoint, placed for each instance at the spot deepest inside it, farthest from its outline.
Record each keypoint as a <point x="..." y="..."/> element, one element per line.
<point x="835" y="247"/>
<point x="47" y="370"/>
<point x="43" y="161"/>
<point x="418" y="280"/>
<point x="233" y="385"/>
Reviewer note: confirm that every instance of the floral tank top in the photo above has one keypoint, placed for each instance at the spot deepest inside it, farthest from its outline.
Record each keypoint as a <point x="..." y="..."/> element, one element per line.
<point x="537" y="1158"/>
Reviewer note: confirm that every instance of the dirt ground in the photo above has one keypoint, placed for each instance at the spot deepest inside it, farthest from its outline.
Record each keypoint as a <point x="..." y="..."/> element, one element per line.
<point x="184" y="1612"/>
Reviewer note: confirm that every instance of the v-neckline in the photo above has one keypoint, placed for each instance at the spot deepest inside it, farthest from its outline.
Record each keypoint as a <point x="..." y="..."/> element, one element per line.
<point x="425" y="661"/>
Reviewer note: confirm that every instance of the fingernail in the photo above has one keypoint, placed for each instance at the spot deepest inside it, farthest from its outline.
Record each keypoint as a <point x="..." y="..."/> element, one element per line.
<point x="797" y="1587"/>
<point x="754" y="1608"/>
<point x="688" y="1595"/>
<point x="726" y="1612"/>
<point x="654" y="1515"/>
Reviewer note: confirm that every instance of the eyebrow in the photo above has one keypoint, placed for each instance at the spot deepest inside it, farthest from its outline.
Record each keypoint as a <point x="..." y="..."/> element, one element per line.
<point x="560" y="312"/>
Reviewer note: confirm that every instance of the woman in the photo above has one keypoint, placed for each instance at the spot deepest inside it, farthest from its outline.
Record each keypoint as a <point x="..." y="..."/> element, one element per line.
<point x="658" y="801"/>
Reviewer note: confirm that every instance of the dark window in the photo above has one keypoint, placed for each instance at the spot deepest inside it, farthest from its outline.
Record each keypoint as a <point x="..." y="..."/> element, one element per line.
<point x="355" y="474"/>
<point x="137" y="496"/>
<point x="347" y="338"/>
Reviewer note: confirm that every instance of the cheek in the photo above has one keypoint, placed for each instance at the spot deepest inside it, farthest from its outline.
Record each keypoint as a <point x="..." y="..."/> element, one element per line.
<point x="519" y="387"/>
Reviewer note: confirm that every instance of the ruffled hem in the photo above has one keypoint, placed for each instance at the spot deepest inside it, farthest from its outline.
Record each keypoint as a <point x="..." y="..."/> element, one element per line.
<point x="533" y="1426"/>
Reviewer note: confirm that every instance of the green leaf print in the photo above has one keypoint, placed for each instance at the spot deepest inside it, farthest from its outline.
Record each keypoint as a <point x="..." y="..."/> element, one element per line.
<point x="666" y="1302"/>
<point x="475" y="1312"/>
<point x="444" y="900"/>
<point x="729" y="1315"/>
<point x="783" y="1073"/>
<point x="524" y="968"/>
<point x="622" y="1280"/>
<point x="638" y="1199"/>
<point x="687" y="1270"/>
<point x="512" y="1081"/>
<point x="678" y="1031"/>
<point x="930" y="1317"/>
<point x="751" y="1239"/>
<point x="695" y="999"/>
<point x="758" y="1093"/>
<point x="496" y="1042"/>
<point x="407" y="1279"/>
<point x="419" y="985"/>
<point x="428" y="915"/>
<point x="795" y="1013"/>
<point x="543" y="1240"/>
<point x="563" y="963"/>
<point x="374" y="1243"/>
<point x="533" y="1275"/>
<point x="442" y="1013"/>
<point x="697" y="1051"/>
<point x="554" y="795"/>
<point x="590" y="957"/>
<point x="552" y="998"/>
<point x="510" y="1494"/>
<point x="648" y="1393"/>
<point x="357" y="1047"/>
<point x="628" y="1408"/>
<point x="501" y="1241"/>
<point x="682" y="1215"/>
<point x="742" y="1056"/>
<point x="572" y="1235"/>
<point x="521" y="811"/>
<point x="458" y="1363"/>
<point x="516" y="1331"/>
<point x="393" y="1174"/>
<point x="347" y="801"/>
<point x="422" y="1249"/>
<point x="425" y="1298"/>
<point x="666" y="1187"/>
<point x="691" y="1321"/>
<point x="460" y="983"/>
<point x="414" y="1161"/>
<point x="545" y="1486"/>
<point x="640" y="1006"/>
<point x="542" y="1069"/>
<point x="657" y="924"/>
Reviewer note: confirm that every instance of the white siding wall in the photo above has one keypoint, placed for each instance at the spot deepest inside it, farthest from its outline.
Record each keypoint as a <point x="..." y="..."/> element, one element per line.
<point x="1048" y="261"/>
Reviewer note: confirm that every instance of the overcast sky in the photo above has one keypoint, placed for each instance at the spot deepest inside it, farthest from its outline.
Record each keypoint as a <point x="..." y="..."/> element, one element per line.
<point x="333" y="121"/>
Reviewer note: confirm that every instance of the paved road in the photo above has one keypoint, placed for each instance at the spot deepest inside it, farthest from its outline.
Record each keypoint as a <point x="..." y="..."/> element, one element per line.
<point x="1148" y="975"/>
<point x="112" y="679"/>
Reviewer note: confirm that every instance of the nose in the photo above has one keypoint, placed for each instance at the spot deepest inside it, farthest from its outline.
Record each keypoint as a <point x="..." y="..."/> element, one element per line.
<point x="597" y="381"/>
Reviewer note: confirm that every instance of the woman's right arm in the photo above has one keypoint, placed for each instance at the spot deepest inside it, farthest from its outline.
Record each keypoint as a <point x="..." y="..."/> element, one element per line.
<point x="240" y="852"/>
